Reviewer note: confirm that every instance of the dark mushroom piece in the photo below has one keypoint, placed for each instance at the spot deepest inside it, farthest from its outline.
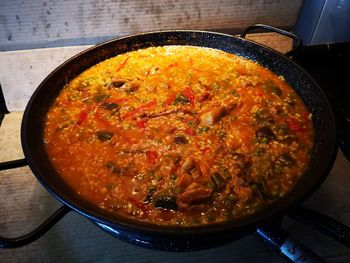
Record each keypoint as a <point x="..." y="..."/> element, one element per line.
<point x="149" y="196"/>
<point x="217" y="181"/>
<point x="286" y="159"/>
<point x="180" y="139"/>
<point x="165" y="202"/>
<point x="111" y="106"/>
<point x="265" y="134"/>
<point x="113" y="168"/>
<point x="104" y="135"/>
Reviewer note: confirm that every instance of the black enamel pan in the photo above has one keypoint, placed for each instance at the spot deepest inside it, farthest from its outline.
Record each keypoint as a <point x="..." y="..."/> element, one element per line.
<point x="166" y="237"/>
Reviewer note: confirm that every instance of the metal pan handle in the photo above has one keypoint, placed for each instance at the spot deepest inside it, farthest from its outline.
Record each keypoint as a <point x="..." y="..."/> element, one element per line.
<point x="322" y="223"/>
<point x="279" y="240"/>
<point x="41" y="229"/>
<point x="13" y="164"/>
<point x="36" y="233"/>
<point x="297" y="40"/>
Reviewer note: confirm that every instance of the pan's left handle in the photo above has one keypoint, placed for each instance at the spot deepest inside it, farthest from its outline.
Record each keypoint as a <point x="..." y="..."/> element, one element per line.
<point x="13" y="164"/>
<point x="298" y="42"/>
<point x="41" y="229"/>
<point x="36" y="233"/>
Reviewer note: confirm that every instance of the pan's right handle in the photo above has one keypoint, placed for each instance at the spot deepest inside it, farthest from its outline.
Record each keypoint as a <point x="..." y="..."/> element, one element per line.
<point x="322" y="223"/>
<point x="288" y="247"/>
<point x="298" y="42"/>
<point x="15" y="242"/>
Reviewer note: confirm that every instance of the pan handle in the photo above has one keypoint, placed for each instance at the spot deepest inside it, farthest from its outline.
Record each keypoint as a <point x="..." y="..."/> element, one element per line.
<point x="297" y="40"/>
<point x="279" y="240"/>
<point x="322" y="223"/>
<point x="36" y="233"/>
<point x="41" y="229"/>
<point x="13" y="164"/>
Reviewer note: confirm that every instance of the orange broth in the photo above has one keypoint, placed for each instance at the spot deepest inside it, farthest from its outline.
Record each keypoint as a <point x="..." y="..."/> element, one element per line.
<point x="179" y="135"/>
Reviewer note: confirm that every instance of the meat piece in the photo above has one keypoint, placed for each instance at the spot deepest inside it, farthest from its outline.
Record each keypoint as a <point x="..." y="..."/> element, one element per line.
<point x="188" y="164"/>
<point x="195" y="194"/>
<point x="204" y="168"/>
<point x="131" y="86"/>
<point x="118" y="82"/>
<point x="244" y="194"/>
<point x="184" y="180"/>
<point x="125" y="84"/>
<point x="212" y="116"/>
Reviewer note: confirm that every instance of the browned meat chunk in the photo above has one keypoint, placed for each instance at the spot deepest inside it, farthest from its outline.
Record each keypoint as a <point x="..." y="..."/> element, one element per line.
<point x="212" y="116"/>
<point x="118" y="82"/>
<point x="188" y="164"/>
<point x="184" y="180"/>
<point x="194" y="194"/>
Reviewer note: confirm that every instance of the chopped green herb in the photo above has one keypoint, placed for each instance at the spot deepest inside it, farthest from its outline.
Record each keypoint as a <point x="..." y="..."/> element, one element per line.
<point x="202" y="129"/>
<point x="181" y="99"/>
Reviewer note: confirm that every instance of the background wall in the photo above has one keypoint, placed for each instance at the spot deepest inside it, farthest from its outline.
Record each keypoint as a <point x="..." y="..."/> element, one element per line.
<point x="46" y="23"/>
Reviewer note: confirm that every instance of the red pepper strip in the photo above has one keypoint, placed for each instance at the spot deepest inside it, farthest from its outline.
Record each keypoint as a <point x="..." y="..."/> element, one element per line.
<point x="146" y="106"/>
<point x="175" y="64"/>
<point x="82" y="117"/>
<point x="102" y="122"/>
<point x="205" y="149"/>
<point x="294" y="125"/>
<point x="190" y="131"/>
<point x="141" y="124"/>
<point x="152" y="157"/>
<point x="139" y="205"/>
<point x="170" y="100"/>
<point x="189" y="94"/>
<point x="122" y="64"/>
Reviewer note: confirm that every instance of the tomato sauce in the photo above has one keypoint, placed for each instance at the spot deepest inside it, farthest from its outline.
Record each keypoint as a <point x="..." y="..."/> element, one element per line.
<point x="179" y="135"/>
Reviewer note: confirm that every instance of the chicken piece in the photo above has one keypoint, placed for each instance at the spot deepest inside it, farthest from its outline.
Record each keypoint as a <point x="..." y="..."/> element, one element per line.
<point x="204" y="168"/>
<point x="212" y="116"/>
<point x="188" y="164"/>
<point x="184" y="180"/>
<point x="131" y="86"/>
<point x="118" y="82"/>
<point x="194" y="194"/>
<point x="125" y="84"/>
